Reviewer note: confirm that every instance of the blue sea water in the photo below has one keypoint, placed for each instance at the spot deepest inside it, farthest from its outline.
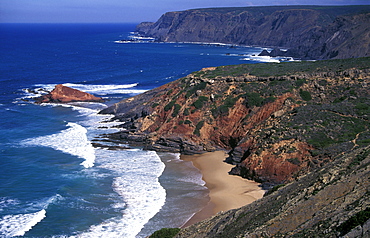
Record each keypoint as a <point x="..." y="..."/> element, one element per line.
<point x="53" y="182"/>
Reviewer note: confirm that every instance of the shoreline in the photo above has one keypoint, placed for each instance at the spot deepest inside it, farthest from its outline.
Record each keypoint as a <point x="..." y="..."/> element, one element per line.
<point x="226" y="191"/>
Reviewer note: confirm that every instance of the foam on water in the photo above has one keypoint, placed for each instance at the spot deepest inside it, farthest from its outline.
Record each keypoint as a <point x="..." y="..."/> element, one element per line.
<point x="18" y="225"/>
<point x="137" y="183"/>
<point x="72" y="141"/>
<point x="6" y="202"/>
<point x="267" y="59"/>
<point x="136" y="172"/>
<point x="97" y="89"/>
<point x="193" y="176"/>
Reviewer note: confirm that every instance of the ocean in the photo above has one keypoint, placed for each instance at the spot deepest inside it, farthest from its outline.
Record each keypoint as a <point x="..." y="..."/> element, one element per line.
<point x="53" y="182"/>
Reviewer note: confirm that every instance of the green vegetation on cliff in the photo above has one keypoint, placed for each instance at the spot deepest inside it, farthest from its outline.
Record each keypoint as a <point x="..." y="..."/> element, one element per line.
<point x="288" y="68"/>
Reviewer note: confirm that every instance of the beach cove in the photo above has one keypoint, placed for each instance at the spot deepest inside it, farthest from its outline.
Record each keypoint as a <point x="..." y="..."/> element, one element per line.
<point x="226" y="191"/>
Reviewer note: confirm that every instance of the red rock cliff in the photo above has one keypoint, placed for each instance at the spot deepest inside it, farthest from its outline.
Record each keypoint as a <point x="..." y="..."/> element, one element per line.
<point x="275" y="128"/>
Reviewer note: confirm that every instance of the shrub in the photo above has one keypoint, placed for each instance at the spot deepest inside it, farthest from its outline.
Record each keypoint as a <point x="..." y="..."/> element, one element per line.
<point x="320" y="140"/>
<point x="269" y="99"/>
<point x="364" y="142"/>
<point x="197" y="87"/>
<point x="300" y="82"/>
<point x="170" y="92"/>
<point x="254" y="99"/>
<point x="294" y="161"/>
<point x="341" y="99"/>
<point x="165" y="233"/>
<point x="154" y="105"/>
<point x="362" y="108"/>
<point x="360" y="157"/>
<point x="224" y="108"/>
<point x="198" y="104"/>
<point x="305" y="95"/>
<point x="188" y="122"/>
<point x="186" y="112"/>
<point x="359" y="219"/>
<point x="169" y="105"/>
<point x="198" y="127"/>
<point x="176" y="110"/>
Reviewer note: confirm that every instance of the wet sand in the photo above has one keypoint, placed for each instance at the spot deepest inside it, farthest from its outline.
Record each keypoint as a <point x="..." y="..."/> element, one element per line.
<point x="225" y="191"/>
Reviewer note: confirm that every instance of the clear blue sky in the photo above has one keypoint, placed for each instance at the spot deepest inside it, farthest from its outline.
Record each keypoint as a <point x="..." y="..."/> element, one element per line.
<point x="84" y="11"/>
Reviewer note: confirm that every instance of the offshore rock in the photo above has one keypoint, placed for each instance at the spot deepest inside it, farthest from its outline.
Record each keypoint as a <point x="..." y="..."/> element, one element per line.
<point x="64" y="94"/>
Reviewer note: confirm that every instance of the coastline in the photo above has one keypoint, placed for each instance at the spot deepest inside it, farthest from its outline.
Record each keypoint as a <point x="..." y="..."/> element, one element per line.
<point x="226" y="191"/>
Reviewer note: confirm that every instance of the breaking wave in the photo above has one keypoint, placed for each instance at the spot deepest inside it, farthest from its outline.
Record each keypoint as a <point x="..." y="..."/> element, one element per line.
<point x="138" y="185"/>
<point x="71" y="141"/>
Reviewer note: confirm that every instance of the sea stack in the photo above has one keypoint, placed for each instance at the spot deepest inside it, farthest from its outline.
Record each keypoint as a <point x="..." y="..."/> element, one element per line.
<point x="64" y="94"/>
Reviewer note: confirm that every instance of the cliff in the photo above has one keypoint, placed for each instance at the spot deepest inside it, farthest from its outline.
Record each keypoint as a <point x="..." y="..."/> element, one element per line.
<point x="277" y="121"/>
<point x="64" y="94"/>
<point x="308" y="32"/>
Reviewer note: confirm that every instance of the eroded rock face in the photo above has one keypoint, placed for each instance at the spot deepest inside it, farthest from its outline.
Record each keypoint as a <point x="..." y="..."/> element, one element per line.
<point x="64" y="94"/>
<point x="275" y="128"/>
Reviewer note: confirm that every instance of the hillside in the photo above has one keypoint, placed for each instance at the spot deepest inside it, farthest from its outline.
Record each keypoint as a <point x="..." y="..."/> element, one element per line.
<point x="277" y="121"/>
<point x="308" y="32"/>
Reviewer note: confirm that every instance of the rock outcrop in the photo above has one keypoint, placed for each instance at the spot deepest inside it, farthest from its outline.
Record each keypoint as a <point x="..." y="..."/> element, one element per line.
<point x="64" y="94"/>
<point x="277" y="121"/>
<point x="308" y="32"/>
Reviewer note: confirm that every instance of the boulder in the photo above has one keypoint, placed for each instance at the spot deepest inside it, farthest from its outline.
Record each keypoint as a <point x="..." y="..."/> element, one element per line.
<point x="277" y="52"/>
<point x="264" y="53"/>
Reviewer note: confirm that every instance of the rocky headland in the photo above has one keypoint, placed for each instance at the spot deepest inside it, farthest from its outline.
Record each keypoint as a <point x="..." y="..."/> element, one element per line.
<point x="277" y="121"/>
<point x="64" y="94"/>
<point x="304" y="125"/>
<point x="308" y="32"/>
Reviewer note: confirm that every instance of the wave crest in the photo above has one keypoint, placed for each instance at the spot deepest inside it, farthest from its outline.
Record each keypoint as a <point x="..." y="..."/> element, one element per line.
<point x="71" y="141"/>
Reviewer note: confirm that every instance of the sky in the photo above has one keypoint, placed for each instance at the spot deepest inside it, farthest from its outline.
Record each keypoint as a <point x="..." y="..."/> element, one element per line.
<point x="120" y="11"/>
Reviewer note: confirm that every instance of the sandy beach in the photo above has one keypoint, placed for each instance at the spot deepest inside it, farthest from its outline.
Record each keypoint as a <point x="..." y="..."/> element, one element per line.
<point x="226" y="191"/>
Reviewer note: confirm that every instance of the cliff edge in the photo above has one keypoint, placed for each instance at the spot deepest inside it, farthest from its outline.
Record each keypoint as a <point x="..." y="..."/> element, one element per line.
<point x="277" y="121"/>
<point x="308" y="32"/>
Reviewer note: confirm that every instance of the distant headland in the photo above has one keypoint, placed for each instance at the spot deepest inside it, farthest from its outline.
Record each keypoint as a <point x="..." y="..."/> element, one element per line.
<point x="307" y="32"/>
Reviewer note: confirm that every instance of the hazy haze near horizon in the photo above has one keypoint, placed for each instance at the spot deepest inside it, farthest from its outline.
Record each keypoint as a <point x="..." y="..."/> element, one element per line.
<point x="119" y="11"/>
